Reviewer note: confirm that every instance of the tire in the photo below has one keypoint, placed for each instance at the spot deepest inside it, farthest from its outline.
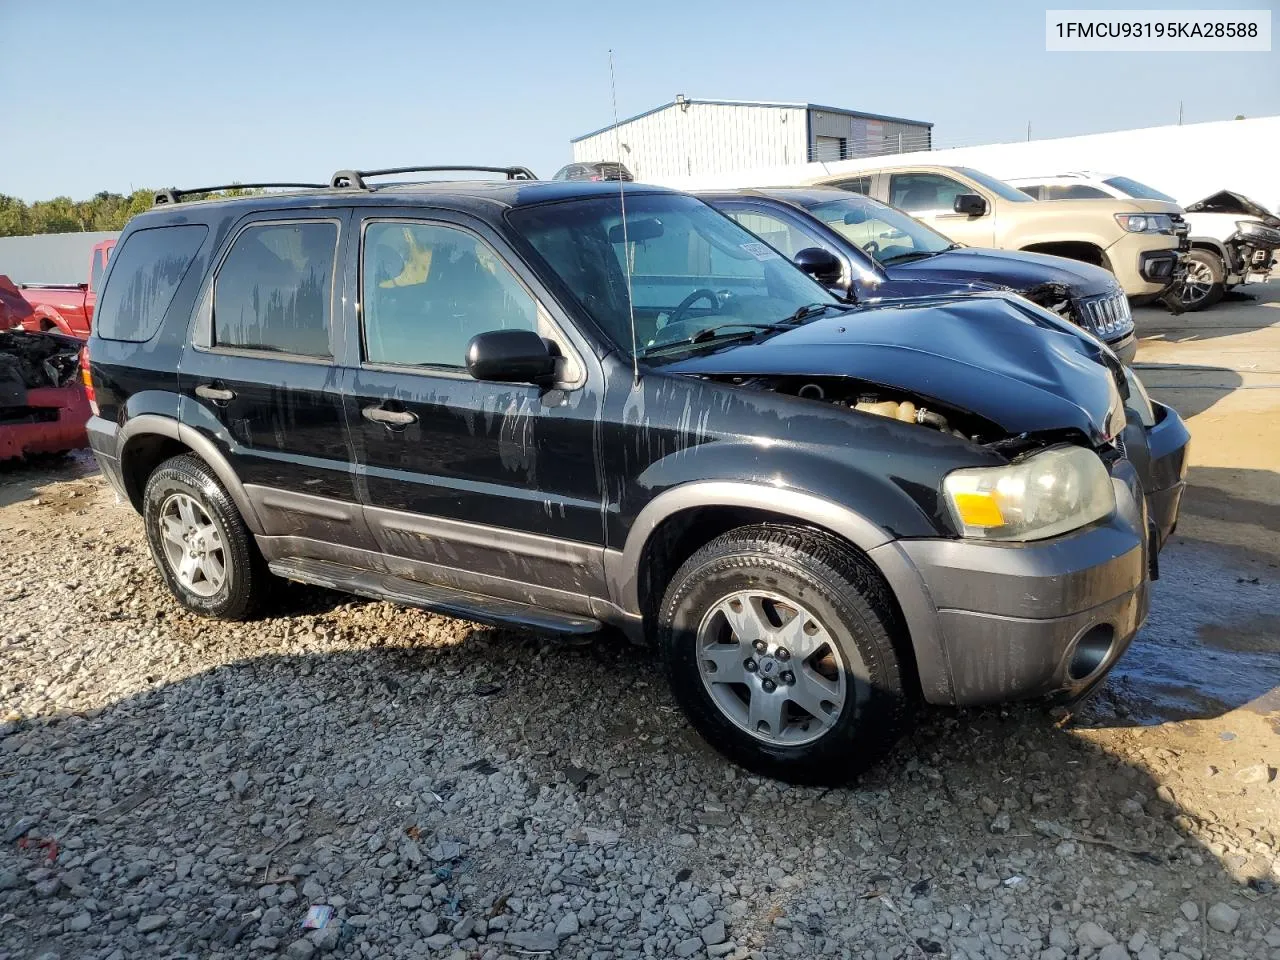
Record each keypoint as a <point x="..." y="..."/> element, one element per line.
<point x="183" y="494"/>
<point x="1209" y="283"/>
<point x="848" y="664"/>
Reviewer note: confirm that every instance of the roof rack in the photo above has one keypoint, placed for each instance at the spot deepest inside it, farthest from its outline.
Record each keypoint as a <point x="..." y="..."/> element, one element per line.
<point x="354" y="179"/>
<point x="174" y="195"/>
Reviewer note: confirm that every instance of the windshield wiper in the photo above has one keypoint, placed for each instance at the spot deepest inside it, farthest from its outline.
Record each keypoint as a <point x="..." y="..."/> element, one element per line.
<point x="812" y="310"/>
<point x="914" y="255"/>
<point x="707" y="334"/>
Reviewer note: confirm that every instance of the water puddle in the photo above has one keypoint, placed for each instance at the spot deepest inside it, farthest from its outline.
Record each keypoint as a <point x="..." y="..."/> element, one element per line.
<point x="1211" y="643"/>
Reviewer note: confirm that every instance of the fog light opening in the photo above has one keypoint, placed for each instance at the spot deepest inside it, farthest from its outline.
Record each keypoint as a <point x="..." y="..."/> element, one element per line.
<point x="1091" y="652"/>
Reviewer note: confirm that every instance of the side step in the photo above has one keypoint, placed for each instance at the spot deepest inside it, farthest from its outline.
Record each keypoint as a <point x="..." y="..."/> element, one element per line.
<point x="453" y="603"/>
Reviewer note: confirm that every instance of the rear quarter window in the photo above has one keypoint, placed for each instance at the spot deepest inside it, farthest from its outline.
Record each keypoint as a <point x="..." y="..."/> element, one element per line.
<point x="145" y="272"/>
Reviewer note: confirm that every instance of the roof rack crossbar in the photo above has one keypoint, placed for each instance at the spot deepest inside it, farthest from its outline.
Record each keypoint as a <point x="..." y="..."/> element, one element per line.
<point x="354" y="179"/>
<point x="174" y="195"/>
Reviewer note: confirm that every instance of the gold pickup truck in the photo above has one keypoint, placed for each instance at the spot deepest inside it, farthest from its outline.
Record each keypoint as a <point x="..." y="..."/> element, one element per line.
<point x="1137" y="240"/>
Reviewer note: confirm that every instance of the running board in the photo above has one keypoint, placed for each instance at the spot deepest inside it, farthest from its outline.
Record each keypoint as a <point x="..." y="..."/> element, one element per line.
<point x="453" y="603"/>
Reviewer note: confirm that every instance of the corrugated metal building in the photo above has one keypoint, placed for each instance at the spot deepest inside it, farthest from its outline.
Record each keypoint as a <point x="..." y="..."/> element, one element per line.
<point x="696" y="137"/>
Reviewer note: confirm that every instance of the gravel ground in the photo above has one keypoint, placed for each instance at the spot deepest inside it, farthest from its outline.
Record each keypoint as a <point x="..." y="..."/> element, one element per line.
<point x="177" y="787"/>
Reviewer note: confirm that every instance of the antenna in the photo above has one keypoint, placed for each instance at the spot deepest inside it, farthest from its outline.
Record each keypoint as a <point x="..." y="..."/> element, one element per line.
<point x="626" y="246"/>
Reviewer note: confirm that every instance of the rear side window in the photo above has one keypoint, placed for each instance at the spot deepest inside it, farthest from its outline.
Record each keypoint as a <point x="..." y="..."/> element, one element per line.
<point x="145" y="274"/>
<point x="274" y="291"/>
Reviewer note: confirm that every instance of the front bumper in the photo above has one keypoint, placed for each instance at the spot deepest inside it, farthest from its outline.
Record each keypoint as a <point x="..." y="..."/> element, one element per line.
<point x="992" y="622"/>
<point x="1145" y="264"/>
<point x="1159" y="454"/>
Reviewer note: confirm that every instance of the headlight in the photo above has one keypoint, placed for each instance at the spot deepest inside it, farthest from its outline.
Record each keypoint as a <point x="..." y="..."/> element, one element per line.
<point x="1145" y="222"/>
<point x="1139" y="399"/>
<point x="1260" y="231"/>
<point x="1042" y="496"/>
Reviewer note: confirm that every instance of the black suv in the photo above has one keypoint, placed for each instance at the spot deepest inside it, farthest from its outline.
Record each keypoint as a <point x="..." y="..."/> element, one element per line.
<point x="508" y="402"/>
<point x="882" y="252"/>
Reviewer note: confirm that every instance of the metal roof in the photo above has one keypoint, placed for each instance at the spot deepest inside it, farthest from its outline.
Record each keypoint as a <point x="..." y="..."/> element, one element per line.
<point x="779" y="104"/>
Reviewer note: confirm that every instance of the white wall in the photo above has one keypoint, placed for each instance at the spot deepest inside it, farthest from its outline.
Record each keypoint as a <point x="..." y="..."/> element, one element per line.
<point x="1187" y="162"/>
<point x="49" y="257"/>
<point x="701" y="139"/>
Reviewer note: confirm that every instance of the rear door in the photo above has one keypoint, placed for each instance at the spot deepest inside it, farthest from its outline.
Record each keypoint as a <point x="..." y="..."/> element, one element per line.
<point x="259" y="377"/>
<point x="492" y="488"/>
<point x="930" y="196"/>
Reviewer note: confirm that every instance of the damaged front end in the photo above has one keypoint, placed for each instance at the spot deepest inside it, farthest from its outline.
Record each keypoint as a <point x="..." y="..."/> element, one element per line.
<point x="43" y="407"/>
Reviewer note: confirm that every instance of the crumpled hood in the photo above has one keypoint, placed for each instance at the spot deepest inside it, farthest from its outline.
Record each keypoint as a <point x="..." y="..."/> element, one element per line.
<point x="1012" y="269"/>
<point x="1228" y="201"/>
<point x="991" y="354"/>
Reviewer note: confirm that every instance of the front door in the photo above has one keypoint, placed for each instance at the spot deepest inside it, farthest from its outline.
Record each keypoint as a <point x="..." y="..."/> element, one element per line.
<point x="931" y="197"/>
<point x="492" y="488"/>
<point x="260" y="381"/>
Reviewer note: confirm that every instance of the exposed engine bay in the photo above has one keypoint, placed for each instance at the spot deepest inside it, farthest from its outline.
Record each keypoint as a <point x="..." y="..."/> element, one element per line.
<point x="879" y="401"/>
<point x="32" y="360"/>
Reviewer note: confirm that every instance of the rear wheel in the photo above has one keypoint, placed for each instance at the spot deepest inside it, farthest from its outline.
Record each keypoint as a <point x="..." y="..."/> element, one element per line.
<point x="1205" y="282"/>
<point x="200" y="544"/>
<point x="779" y="646"/>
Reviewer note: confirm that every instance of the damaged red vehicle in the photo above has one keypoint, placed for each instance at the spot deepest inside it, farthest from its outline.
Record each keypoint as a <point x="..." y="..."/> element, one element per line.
<point x="43" y="404"/>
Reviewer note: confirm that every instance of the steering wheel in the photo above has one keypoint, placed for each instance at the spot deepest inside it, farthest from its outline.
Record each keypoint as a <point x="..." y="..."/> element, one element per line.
<point x="702" y="293"/>
<point x="873" y="249"/>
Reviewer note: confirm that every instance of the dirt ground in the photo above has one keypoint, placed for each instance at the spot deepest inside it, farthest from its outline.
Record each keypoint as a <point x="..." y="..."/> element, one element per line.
<point x="287" y="760"/>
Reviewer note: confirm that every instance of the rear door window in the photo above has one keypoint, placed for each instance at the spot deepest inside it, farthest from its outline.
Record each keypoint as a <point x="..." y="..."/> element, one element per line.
<point x="145" y="274"/>
<point x="274" y="291"/>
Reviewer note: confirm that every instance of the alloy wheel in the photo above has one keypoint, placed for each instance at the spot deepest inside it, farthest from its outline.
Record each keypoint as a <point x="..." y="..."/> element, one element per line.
<point x="193" y="545"/>
<point x="771" y="667"/>
<point x="1197" y="283"/>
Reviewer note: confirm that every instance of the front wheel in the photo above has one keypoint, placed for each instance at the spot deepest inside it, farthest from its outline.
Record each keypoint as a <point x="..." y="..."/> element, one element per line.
<point x="1205" y="282"/>
<point x="779" y="646"/>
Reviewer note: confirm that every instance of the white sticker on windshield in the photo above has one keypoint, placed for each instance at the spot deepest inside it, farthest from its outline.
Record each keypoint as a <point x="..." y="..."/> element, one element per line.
<point x="760" y="251"/>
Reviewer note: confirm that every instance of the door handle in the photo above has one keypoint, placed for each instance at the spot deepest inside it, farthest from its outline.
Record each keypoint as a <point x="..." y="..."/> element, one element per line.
<point x="214" y="393"/>
<point x="392" y="418"/>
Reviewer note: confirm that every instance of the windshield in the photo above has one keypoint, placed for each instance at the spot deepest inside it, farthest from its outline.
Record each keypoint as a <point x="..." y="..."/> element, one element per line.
<point x="694" y="272"/>
<point x="1139" y="191"/>
<point x="879" y="230"/>
<point x="998" y="187"/>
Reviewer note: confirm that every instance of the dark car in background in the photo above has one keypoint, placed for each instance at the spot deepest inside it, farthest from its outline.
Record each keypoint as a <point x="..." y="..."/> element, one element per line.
<point x="595" y="171"/>
<point x="883" y="252"/>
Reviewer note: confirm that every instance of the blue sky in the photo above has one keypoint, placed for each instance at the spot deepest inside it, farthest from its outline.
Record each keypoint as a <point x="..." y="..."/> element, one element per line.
<point x="146" y="93"/>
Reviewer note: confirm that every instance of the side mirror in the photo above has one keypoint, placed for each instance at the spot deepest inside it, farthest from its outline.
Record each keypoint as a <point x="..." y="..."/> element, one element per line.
<point x="970" y="204"/>
<point x="510" y="356"/>
<point x="823" y="265"/>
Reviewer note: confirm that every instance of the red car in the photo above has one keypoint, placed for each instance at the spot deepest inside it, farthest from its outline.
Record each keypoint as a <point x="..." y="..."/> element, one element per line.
<point x="68" y="308"/>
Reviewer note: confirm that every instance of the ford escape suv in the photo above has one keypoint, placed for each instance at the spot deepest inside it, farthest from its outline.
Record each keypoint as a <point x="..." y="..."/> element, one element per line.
<point x="509" y="402"/>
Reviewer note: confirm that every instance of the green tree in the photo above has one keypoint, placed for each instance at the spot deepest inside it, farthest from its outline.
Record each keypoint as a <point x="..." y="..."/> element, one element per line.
<point x="104" y="211"/>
